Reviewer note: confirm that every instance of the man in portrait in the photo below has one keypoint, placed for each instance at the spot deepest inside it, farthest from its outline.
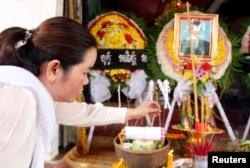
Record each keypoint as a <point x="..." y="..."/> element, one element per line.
<point x="201" y="47"/>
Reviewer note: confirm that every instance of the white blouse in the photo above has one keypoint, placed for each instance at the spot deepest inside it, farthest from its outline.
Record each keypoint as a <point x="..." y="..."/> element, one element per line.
<point x="18" y="110"/>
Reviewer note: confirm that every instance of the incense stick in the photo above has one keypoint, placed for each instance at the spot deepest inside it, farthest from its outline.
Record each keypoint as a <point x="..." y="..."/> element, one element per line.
<point x="193" y="67"/>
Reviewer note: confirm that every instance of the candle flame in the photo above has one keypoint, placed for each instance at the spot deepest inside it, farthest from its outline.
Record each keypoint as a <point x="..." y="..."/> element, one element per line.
<point x="171" y="151"/>
<point x="188" y="4"/>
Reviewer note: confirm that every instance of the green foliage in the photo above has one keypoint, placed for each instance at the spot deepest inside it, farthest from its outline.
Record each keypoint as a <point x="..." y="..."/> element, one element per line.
<point x="244" y="25"/>
<point x="153" y="68"/>
<point x="234" y="67"/>
<point x="245" y="76"/>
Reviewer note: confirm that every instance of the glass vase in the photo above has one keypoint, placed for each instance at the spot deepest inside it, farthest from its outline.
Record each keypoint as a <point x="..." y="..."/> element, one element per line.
<point x="200" y="161"/>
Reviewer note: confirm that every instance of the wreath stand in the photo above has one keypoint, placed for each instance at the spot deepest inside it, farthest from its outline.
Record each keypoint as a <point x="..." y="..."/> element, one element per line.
<point x="246" y="131"/>
<point x="220" y="108"/>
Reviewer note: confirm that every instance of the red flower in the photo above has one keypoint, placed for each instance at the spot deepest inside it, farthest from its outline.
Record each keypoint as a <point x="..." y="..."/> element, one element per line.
<point x="206" y="66"/>
<point x="124" y="25"/>
<point x="128" y="38"/>
<point x="101" y="33"/>
<point x="121" y="76"/>
<point x="188" y="65"/>
<point x="107" y="23"/>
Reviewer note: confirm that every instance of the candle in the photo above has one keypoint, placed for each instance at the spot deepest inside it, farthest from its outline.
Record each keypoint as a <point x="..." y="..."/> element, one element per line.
<point x="207" y="107"/>
<point x="202" y="108"/>
<point x="183" y="108"/>
<point x="170" y="159"/>
<point x="189" y="109"/>
<point x="120" y="136"/>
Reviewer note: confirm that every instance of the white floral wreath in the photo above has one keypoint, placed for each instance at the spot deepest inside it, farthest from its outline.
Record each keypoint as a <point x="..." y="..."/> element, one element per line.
<point x="170" y="62"/>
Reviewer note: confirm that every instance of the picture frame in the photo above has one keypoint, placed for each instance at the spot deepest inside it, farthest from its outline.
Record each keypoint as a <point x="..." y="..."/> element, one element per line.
<point x="204" y="31"/>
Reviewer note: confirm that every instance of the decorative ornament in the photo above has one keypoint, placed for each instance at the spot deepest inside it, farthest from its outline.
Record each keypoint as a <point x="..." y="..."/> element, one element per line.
<point x="179" y="5"/>
<point x="173" y="4"/>
<point x="120" y="163"/>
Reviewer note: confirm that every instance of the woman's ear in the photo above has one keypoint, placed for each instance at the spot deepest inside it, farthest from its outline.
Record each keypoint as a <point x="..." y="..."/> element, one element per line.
<point x="53" y="70"/>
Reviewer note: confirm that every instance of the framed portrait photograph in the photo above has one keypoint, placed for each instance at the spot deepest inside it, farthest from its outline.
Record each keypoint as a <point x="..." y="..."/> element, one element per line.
<point x="196" y="34"/>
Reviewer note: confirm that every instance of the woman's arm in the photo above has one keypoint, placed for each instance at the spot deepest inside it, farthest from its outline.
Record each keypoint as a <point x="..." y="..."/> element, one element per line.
<point x="146" y="107"/>
<point x="83" y="114"/>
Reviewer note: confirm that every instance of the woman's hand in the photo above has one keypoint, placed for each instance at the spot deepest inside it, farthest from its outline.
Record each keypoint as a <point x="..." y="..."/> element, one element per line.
<point x="145" y="108"/>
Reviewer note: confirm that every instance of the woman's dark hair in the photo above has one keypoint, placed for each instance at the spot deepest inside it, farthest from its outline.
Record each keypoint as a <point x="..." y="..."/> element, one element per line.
<point x="58" y="38"/>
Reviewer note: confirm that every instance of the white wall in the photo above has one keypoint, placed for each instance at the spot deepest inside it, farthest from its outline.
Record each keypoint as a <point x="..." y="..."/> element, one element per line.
<point x="28" y="13"/>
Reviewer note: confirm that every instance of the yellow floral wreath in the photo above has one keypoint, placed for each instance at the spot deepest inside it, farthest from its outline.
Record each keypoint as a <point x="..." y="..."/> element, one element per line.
<point x="171" y="64"/>
<point x="113" y="30"/>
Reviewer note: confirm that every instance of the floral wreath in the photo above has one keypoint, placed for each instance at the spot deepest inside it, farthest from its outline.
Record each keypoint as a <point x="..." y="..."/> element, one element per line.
<point x="164" y="64"/>
<point x="115" y="31"/>
<point x="171" y="64"/>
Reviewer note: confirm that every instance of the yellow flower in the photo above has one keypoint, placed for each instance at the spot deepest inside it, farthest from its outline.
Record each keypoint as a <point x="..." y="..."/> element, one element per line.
<point x="113" y="72"/>
<point x="169" y="46"/>
<point x="114" y="79"/>
<point x="117" y="76"/>
<point x="205" y="78"/>
<point x="188" y="74"/>
<point x="221" y="52"/>
<point x="122" y="71"/>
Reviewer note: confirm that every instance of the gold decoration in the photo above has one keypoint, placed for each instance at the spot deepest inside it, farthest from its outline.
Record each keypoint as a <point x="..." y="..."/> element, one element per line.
<point x="82" y="147"/>
<point x="80" y="98"/>
<point x="81" y="131"/>
<point x="120" y="163"/>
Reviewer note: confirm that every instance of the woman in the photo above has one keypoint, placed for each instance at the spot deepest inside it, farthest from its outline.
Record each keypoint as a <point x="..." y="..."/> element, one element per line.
<point x="41" y="73"/>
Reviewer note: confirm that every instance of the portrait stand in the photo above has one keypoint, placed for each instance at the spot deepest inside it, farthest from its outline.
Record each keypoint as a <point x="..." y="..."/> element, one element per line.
<point x="219" y="107"/>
